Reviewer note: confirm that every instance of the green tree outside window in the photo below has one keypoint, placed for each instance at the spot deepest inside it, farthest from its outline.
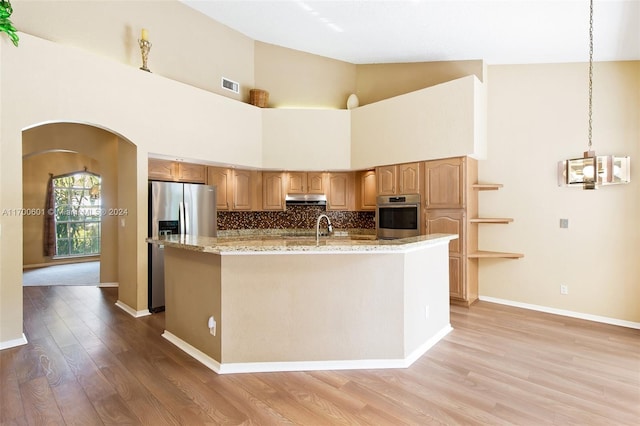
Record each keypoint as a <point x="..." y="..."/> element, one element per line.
<point x="78" y="214"/>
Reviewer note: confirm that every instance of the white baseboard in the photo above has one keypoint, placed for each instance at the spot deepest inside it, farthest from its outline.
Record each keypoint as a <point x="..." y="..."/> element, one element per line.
<point x="13" y="343"/>
<point x="192" y="351"/>
<point x="571" y="314"/>
<point x="270" y="367"/>
<point x="422" y="349"/>
<point x="128" y="309"/>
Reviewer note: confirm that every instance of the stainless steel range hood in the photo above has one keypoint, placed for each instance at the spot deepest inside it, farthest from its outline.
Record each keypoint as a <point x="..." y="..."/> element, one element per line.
<point x="306" y="200"/>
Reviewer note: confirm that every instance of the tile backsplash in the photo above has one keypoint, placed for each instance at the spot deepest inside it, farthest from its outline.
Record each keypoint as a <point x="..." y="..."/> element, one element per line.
<point x="295" y="217"/>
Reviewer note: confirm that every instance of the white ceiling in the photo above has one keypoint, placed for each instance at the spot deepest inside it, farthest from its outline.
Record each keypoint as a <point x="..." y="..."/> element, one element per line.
<point x="498" y="31"/>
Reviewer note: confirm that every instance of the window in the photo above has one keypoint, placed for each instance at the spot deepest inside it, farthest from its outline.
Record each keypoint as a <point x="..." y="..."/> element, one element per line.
<point x="78" y="214"/>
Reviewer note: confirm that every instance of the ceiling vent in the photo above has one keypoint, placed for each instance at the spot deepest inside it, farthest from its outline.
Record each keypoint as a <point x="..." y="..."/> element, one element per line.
<point x="231" y="85"/>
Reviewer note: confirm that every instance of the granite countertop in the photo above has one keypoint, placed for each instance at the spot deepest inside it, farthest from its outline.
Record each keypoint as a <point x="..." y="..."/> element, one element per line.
<point x="248" y="244"/>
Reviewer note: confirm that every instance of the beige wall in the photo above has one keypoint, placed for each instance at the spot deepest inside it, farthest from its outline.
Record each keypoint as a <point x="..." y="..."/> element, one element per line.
<point x="303" y="139"/>
<point x="299" y="79"/>
<point x="376" y="82"/>
<point x="186" y="45"/>
<point x="437" y="122"/>
<point x="538" y="116"/>
<point x="132" y="277"/>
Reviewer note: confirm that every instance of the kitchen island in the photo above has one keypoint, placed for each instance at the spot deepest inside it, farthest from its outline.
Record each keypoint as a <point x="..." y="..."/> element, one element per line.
<point x="286" y="304"/>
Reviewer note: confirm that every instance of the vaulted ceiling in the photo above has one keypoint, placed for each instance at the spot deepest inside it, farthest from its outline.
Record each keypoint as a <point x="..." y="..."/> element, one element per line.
<point x="387" y="31"/>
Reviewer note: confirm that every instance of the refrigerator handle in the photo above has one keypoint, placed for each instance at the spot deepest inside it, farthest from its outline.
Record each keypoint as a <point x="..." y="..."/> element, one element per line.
<point x="181" y="218"/>
<point x="187" y="219"/>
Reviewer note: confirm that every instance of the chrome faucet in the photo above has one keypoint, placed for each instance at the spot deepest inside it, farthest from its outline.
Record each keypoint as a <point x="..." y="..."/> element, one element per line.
<point x="329" y="227"/>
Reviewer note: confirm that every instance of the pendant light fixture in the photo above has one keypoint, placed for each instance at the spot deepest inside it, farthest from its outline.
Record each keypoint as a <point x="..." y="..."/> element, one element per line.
<point x="592" y="171"/>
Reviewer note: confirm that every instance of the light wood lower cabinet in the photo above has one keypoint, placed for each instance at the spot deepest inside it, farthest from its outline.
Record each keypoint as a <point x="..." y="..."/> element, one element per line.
<point x="457" y="287"/>
<point x="462" y="288"/>
<point x="449" y="222"/>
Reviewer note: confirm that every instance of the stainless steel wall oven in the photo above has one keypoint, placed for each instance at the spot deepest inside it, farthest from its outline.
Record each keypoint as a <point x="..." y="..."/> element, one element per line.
<point x="398" y="216"/>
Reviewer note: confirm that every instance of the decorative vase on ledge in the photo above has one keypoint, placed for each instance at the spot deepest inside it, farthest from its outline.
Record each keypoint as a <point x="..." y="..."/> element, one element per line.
<point x="259" y="98"/>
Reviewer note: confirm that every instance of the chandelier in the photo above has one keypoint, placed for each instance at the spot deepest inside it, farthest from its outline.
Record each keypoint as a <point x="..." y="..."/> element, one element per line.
<point x="591" y="170"/>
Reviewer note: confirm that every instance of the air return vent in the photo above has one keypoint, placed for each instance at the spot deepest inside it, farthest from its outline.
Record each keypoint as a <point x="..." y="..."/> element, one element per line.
<point x="230" y="85"/>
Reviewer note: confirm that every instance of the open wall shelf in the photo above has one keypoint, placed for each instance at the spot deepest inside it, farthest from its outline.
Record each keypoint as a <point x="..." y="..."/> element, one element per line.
<point x="486" y="186"/>
<point x="491" y="220"/>
<point x="483" y="254"/>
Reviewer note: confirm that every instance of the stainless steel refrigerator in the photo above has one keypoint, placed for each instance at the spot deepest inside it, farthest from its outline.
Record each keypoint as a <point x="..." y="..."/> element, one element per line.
<point x="176" y="208"/>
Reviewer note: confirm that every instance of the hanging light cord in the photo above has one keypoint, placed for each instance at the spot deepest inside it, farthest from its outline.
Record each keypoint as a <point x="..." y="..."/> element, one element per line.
<point x="590" y="69"/>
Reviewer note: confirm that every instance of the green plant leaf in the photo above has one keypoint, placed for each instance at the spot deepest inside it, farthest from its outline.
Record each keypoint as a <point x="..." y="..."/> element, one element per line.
<point x="5" y="23"/>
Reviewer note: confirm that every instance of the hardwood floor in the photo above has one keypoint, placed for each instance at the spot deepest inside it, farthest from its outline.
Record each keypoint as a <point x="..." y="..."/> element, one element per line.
<point x="88" y="362"/>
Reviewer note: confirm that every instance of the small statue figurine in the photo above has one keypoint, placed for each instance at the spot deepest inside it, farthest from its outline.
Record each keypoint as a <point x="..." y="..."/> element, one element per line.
<point x="5" y="24"/>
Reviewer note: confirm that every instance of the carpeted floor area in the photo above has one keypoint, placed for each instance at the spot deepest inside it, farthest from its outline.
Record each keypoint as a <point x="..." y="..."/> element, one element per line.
<point x="85" y="273"/>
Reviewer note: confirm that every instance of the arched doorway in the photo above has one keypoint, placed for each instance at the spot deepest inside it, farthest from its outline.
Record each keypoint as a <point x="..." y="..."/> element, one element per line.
<point x="62" y="148"/>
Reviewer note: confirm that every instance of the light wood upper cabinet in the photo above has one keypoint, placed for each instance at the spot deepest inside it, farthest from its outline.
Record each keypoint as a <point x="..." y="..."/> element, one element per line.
<point x="315" y="183"/>
<point x="246" y="190"/>
<point x="221" y="178"/>
<point x="305" y="183"/>
<point x="399" y="179"/>
<point x="409" y="178"/>
<point x="366" y="190"/>
<point x="296" y="182"/>
<point x="340" y="193"/>
<point x="236" y="189"/>
<point x="386" y="180"/>
<point x="176" y="171"/>
<point x="192" y="173"/>
<point x="273" y="191"/>
<point x="161" y="169"/>
<point x="444" y="183"/>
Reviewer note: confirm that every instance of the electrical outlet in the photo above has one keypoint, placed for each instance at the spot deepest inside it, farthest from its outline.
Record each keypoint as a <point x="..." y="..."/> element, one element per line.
<point x="564" y="223"/>
<point x="211" y="323"/>
<point x="564" y="289"/>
